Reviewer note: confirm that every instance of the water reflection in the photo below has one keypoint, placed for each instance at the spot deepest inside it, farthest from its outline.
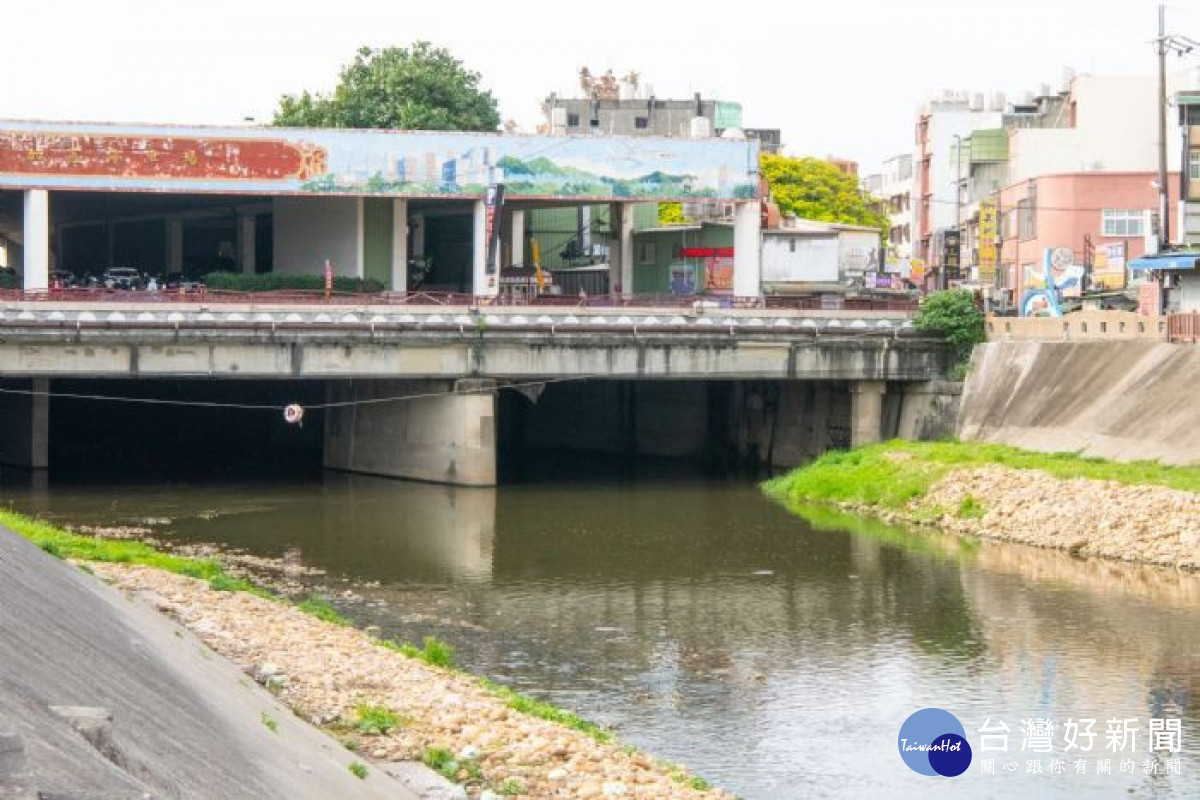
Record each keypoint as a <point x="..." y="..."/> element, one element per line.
<point x="775" y="655"/>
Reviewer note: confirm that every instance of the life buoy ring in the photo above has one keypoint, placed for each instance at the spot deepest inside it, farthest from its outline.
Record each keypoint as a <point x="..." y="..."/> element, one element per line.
<point x="293" y="414"/>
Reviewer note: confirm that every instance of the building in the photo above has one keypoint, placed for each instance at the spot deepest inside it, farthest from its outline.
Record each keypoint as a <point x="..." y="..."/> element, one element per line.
<point x="892" y="189"/>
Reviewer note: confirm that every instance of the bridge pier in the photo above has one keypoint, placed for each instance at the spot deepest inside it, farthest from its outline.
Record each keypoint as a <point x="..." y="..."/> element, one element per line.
<point x="447" y="436"/>
<point x="866" y="412"/>
<point x="25" y="425"/>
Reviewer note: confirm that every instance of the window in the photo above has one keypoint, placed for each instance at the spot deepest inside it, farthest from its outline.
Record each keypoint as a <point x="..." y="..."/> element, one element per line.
<point x="791" y="245"/>
<point x="1122" y="222"/>
<point x="641" y="123"/>
<point x="595" y="122"/>
<point x="572" y="120"/>
<point x="1026" y="219"/>
<point x="1194" y="165"/>
<point x="646" y="253"/>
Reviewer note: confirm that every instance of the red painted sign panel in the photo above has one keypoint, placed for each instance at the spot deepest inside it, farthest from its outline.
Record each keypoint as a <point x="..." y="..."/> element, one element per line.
<point x="122" y="156"/>
<point x="706" y="252"/>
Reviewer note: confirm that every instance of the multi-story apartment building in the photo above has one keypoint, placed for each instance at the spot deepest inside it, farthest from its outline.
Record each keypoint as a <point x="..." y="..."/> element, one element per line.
<point x="892" y="189"/>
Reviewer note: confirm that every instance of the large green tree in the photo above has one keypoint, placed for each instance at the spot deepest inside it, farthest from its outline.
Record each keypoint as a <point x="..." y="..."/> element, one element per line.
<point x="421" y="87"/>
<point x="814" y="189"/>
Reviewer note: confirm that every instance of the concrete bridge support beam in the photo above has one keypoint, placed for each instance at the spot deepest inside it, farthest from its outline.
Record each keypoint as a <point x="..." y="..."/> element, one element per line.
<point x="174" y="245"/>
<point x="25" y="424"/>
<point x="399" y="245"/>
<point x="247" y="248"/>
<point x="447" y="438"/>
<point x="37" y="240"/>
<point x="866" y="412"/>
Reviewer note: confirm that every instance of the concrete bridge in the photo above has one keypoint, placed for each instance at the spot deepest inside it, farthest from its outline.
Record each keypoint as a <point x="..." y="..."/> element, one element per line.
<point x="368" y="355"/>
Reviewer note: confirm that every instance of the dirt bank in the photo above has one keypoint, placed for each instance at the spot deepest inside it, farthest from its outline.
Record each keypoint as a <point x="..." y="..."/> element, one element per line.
<point x="326" y="671"/>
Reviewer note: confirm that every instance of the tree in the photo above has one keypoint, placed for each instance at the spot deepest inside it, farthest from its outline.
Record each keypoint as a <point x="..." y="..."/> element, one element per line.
<point x="417" y="88"/>
<point x="955" y="315"/>
<point x="814" y="189"/>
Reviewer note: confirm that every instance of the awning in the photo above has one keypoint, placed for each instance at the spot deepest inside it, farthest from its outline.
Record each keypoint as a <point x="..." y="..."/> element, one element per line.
<point x="1167" y="261"/>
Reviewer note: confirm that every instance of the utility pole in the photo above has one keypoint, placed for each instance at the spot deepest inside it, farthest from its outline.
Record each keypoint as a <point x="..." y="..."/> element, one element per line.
<point x="1180" y="45"/>
<point x="1164" y="218"/>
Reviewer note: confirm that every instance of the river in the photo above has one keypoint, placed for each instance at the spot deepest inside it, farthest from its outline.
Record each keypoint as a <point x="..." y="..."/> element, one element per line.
<point x="706" y="624"/>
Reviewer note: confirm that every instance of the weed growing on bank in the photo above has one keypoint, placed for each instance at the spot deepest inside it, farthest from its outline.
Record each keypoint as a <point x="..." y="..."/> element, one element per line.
<point x="891" y="474"/>
<point x="536" y="708"/>
<point x="358" y="770"/>
<point x="375" y="720"/>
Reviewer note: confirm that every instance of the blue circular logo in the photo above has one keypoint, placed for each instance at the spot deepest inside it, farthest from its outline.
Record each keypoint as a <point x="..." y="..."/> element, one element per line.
<point x="933" y="742"/>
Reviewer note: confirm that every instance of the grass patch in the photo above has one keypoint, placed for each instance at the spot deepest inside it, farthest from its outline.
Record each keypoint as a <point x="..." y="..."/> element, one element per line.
<point x="64" y="544"/>
<point x="358" y="770"/>
<point x="435" y="652"/>
<point x="269" y="721"/>
<point x="536" y="708"/>
<point x="970" y="508"/>
<point x="511" y="787"/>
<point x="321" y="608"/>
<point x="444" y="762"/>
<point x="890" y="474"/>
<point x="375" y="720"/>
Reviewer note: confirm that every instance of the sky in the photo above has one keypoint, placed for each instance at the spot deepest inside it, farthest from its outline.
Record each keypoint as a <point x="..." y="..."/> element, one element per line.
<point x="841" y="78"/>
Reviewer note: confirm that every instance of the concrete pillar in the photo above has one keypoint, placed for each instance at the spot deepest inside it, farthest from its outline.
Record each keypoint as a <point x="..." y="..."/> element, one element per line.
<point x="174" y="246"/>
<point x="482" y="284"/>
<point x="620" y="253"/>
<point x="246" y="245"/>
<point x="449" y="438"/>
<point x="518" y="237"/>
<point x="399" y="245"/>
<point x="25" y="425"/>
<point x="418" y="236"/>
<point x="866" y="412"/>
<point x="37" y="240"/>
<point x="747" y="251"/>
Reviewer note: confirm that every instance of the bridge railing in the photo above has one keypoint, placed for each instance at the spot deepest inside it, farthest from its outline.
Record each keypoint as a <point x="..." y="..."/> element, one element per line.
<point x="434" y="298"/>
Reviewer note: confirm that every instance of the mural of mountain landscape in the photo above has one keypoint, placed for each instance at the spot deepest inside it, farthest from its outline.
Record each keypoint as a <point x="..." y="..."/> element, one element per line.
<point x="537" y="177"/>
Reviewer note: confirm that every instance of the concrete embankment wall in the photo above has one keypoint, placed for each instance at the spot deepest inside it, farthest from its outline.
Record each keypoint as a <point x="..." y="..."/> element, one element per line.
<point x="1121" y="400"/>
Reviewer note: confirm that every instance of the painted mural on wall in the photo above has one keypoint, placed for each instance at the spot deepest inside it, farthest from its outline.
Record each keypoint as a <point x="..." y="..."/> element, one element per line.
<point x="1065" y="275"/>
<point x="386" y="163"/>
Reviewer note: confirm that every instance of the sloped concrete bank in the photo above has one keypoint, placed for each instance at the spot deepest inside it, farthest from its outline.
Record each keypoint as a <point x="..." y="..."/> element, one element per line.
<point x="1121" y="400"/>
<point x="101" y="697"/>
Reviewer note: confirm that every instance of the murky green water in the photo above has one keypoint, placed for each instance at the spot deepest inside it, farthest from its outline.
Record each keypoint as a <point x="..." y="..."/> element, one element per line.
<point x="776" y="657"/>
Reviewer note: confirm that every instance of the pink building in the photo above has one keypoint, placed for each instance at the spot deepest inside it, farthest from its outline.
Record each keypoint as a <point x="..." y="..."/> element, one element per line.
<point x="1085" y="212"/>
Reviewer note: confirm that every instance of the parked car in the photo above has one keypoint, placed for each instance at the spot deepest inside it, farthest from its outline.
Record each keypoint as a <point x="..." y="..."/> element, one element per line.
<point x="122" y="278"/>
<point x="62" y="278"/>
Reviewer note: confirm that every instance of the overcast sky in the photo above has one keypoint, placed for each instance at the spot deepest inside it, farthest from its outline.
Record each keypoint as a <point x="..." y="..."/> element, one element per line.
<point x="839" y="77"/>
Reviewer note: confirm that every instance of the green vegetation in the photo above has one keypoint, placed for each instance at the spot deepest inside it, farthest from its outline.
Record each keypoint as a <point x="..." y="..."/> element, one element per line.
<point x="511" y="787"/>
<point x="890" y="474"/>
<point x="444" y="762"/>
<point x="272" y="282"/>
<point x="375" y="720"/>
<point x="321" y="608"/>
<point x="536" y="708"/>
<point x="970" y="508"/>
<point x="422" y="88"/>
<point x="358" y="770"/>
<point x="269" y="721"/>
<point x="954" y="315"/>
<point x="437" y="653"/>
<point x="814" y="189"/>
<point x="64" y="544"/>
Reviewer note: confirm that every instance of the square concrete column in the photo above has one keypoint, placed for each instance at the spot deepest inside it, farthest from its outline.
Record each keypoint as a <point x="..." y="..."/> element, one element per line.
<point x="37" y="240"/>
<point x="246" y="245"/>
<point x="418" y="236"/>
<point x="747" y="251"/>
<point x="518" y="237"/>
<point x="25" y="425"/>
<point x="399" y="245"/>
<point x="620" y="253"/>
<point x="866" y="412"/>
<point x="482" y="284"/>
<point x="174" y="246"/>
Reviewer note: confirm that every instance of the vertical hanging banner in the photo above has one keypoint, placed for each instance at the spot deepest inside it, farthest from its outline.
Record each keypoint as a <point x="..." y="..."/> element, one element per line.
<point x="494" y="208"/>
<point x="987" y="241"/>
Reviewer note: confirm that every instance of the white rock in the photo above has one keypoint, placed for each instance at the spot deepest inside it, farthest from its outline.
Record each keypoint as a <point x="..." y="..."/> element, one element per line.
<point x="558" y="774"/>
<point x="614" y="789"/>
<point x="468" y="753"/>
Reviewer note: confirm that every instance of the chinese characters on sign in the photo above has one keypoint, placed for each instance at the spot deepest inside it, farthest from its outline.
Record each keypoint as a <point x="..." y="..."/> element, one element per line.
<point x="987" y="241"/>
<point x="1119" y="741"/>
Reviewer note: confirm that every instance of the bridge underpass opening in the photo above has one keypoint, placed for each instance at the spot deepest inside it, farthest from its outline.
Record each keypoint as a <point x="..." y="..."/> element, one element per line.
<point x="109" y="440"/>
<point x="722" y="426"/>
